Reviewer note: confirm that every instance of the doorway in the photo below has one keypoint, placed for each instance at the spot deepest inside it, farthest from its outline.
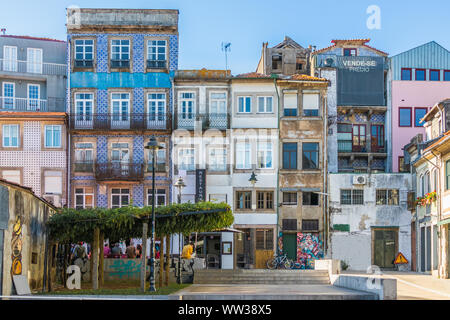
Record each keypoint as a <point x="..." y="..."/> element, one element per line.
<point x="385" y="247"/>
<point x="290" y="245"/>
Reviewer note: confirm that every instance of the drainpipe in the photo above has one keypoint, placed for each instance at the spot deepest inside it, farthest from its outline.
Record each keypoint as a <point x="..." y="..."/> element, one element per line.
<point x="68" y="140"/>
<point x="274" y="76"/>
<point x="325" y="180"/>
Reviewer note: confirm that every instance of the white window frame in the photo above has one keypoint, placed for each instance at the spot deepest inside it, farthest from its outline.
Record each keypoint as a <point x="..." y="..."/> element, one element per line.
<point x="120" y="194"/>
<point x="156" y="101"/>
<point x="218" y="103"/>
<point x="306" y="106"/>
<point x="8" y="99"/>
<point x="58" y="177"/>
<point x="265" y="148"/>
<point x="121" y="51"/>
<point x="183" y="110"/>
<point x="244" y="100"/>
<point x="10" y="63"/>
<point x="120" y="117"/>
<point x="157" y="196"/>
<point x="120" y="149"/>
<point x="264" y="99"/>
<point x="7" y="134"/>
<point x="34" y="65"/>
<point x="84" y="151"/>
<point x="84" y="46"/>
<point x="243" y="155"/>
<point x="157" y="46"/>
<point x="84" y="194"/>
<point x="84" y="116"/>
<point x="52" y="127"/>
<point x="216" y="154"/>
<point x="8" y="171"/>
<point x="34" y="103"/>
<point x="183" y="155"/>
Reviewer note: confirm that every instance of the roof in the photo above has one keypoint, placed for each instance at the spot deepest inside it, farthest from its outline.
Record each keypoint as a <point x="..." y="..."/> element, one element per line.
<point x="288" y="42"/>
<point x="28" y="189"/>
<point x="31" y="38"/>
<point x="203" y="73"/>
<point x="252" y="75"/>
<point x="306" y="78"/>
<point x="357" y="42"/>
<point x="420" y="46"/>
<point x="432" y="111"/>
<point x="441" y="140"/>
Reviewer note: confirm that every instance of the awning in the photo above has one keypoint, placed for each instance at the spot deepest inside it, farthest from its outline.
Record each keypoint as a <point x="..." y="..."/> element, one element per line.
<point x="229" y="230"/>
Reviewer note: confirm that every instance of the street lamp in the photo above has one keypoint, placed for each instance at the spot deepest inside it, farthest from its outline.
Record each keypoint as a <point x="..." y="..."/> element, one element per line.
<point x="153" y="146"/>
<point x="180" y="185"/>
<point x="253" y="178"/>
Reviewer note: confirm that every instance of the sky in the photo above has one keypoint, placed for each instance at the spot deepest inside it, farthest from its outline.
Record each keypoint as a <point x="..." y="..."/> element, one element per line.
<point x="205" y="24"/>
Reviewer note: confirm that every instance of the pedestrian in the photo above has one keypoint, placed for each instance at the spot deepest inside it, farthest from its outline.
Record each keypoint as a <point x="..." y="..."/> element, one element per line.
<point x="187" y="251"/>
<point x="131" y="250"/>
<point x="115" y="251"/>
<point x="138" y="251"/>
<point x="106" y="251"/>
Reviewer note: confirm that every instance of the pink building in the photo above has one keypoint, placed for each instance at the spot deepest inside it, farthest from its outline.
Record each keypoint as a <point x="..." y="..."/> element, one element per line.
<point x="420" y="78"/>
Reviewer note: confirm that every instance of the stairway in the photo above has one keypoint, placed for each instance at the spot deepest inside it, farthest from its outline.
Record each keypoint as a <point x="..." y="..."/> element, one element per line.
<point x="261" y="276"/>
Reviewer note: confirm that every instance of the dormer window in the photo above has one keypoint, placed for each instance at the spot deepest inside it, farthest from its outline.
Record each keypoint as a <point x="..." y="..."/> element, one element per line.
<point x="156" y="54"/>
<point x="350" y="52"/>
<point x="120" y="53"/>
<point x="276" y="61"/>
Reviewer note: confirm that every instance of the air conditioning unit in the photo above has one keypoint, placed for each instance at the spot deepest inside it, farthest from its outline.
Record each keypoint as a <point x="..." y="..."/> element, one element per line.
<point x="53" y="199"/>
<point x="359" y="180"/>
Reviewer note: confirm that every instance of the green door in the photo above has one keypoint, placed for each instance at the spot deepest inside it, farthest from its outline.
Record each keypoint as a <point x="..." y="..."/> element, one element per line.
<point x="290" y="245"/>
<point x="385" y="247"/>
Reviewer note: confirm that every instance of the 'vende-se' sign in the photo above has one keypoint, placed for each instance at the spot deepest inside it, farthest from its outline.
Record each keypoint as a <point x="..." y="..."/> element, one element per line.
<point x="360" y="64"/>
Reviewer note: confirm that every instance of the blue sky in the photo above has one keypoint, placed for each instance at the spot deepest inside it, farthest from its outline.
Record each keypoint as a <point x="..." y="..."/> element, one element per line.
<point x="205" y="24"/>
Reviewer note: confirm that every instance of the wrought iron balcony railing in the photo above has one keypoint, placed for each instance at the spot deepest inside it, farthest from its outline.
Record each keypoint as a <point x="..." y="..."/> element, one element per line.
<point x="22" y="104"/>
<point x="119" y="171"/>
<point x="205" y="120"/>
<point x="348" y="146"/>
<point x="86" y="166"/>
<point x="83" y="63"/>
<point x="44" y="68"/>
<point x="159" y="167"/>
<point x="123" y="121"/>
<point x="156" y="64"/>
<point x="120" y="63"/>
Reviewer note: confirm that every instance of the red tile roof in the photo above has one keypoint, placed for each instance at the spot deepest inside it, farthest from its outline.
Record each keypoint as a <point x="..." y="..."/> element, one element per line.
<point x="306" y="77"/>
<point x="361" y="42"/>
<point x="31" y="38"/>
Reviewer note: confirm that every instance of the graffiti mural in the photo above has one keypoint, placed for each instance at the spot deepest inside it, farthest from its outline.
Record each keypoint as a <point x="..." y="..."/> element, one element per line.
<point x="16" y="247"/>
<point x="309" y="248"/>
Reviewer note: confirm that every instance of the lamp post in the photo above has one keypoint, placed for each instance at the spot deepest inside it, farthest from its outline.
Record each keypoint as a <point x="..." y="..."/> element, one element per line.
<point x="153" y="146"/>
<point x="180" y="185"/>
<point x="253" y="179"/>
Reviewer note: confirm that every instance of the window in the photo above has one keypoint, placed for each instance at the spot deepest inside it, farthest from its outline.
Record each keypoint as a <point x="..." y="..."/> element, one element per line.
<point x="10" y="58"/>
<point x="359" y="138"/>
<point x="156" y="108"/>
<point x="354" y="196"/>
<point x="53" y="182"/>
<point x="446" y="75"/>
<point x="186" y="159"/>
<point x="344" y="137"/>
<point x="84" y="198"/>
<point x="289" y="224"/>
<point x="9" y="100"/>
<point x="420" y="75"/>
<point x="310" y="198"/>
<point x="350" y="52"/>
<point x="310" y="155"/>
<point x="406" y="74"/>
<point x="84" y="107"/>
<point x="264" y="155"/>
<point x="264" y="199"/>
<point x="377" y="138"/>
<point x="12" y="176"/>
<point x="218" y="197"/>
<point x="160" y="197"/>
<point x="435" y="75"/>
<point x="264" y="239"/>
<point x="84" y="157"/>
<point x="10" y="135"/>
<point x="218" y="103"/>
<point x="217" y="159"/>
<point x="277" y="61"/>
<point x="243" y="155"/>
<point x="120" y="103"/>
<point x="187" y="105"/>
<point x="290" y="104"/>
<point x="160" y="159"/>
<point x="120" y="153"/>
<point x="34" y="60"/>
<point x="243" y="200"/>
<point x="290" y="155"/>
<point x="290" y="198"/>
<point x="53" y="136"/>
<point x="265" y="104"/>
<point x="310" y="225"/>
<point x="419" y="113"/>
<point x="33" y="102"/>
<point x="387" y="197"/>
<point x="244" y="104"/>
<point x="84" y="53"/>
<point x="120" y="198"/>
<point x="311" y="105"/>
<point x="120" y="53"/>
<point x="405" y="117"/>
<point x="156" y="54"/>
<point x="447" y="175"/>
<point x="401" y="164"/>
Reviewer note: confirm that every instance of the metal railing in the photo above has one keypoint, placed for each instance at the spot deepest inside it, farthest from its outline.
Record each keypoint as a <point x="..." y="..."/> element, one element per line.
<point x="206" y="120"/>
<point x="347" y="146"/>
<point x="124" y="121"/>
<point x="156" y="64"/>
<point x="159" y="167"/>
<point x="120" y="63"/>
<point x="119" y="171"/>
<point x="86" y="166"/>
<point x="45" y="68"/>
<point x="22" y="104"/>
<point x="83" y="63"/>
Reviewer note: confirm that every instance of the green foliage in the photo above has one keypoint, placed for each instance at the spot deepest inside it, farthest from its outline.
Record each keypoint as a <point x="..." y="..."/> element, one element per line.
<point x="71" y="225"/>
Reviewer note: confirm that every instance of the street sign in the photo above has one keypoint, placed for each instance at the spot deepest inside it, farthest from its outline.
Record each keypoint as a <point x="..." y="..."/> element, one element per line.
<point x="400" y="259"/>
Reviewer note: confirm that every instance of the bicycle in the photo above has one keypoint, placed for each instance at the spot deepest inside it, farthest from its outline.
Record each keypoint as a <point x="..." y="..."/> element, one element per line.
<point x="279" y="261"/>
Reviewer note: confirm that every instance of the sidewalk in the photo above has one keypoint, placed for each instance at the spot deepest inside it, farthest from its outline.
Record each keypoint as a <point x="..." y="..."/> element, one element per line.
<point x="416" y="286"/>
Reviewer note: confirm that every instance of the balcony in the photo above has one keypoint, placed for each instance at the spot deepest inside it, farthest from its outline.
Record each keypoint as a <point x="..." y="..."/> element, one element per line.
<point x="346" y="146"/>
<point x="125" y="121"/>
<point x="206" y="121"/>
<point x="22" y="104"/>
<point x="40" y="68"/>
<point x="83" y="166"/>
<point x="119" y="171"/>
<point x="156" y="64"/>
<point x="120" y="63"/>
<point x="83" y="63"/>
<point x="160" y="167"/>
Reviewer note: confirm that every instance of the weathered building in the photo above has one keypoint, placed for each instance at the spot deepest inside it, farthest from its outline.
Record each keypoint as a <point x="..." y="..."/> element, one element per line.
<point x="33" y="147"/>
<point x="121" y="65"/>
<point x="23" y="242"/>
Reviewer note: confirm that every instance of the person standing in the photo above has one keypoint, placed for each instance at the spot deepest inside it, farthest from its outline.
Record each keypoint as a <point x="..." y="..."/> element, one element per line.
<point x="131" y="250"/>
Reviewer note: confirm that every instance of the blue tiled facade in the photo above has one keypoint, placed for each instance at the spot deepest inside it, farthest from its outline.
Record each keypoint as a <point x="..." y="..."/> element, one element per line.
<point x="102" y="81"/>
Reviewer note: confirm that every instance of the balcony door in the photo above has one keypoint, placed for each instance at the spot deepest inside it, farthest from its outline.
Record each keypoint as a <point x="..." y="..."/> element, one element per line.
<point x="83" y="104"/>
<point x="34" y="60"/>
<point x="84" y="157"/>
<point x="156" y="111"/>
<point x="33" y="101"/>
<point x="10" y="58"/>
<point x="218" y="110"/>
<point x="8" y="99"/>
<point x="120" y="111"/>
<point x="377" y="138"/>
<point x="359" y="138"/>
<point x="186" y="110"/>
<point x="120" y="158"/>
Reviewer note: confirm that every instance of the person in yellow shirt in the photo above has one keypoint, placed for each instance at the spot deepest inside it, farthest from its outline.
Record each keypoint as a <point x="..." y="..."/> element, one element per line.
<point x="187" y="251"/>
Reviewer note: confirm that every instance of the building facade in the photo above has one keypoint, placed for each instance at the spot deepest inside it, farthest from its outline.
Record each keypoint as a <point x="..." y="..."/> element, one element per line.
<point x="121" y="75"/>
<point x="417" y="79"/>
<point x="33" y="150"/>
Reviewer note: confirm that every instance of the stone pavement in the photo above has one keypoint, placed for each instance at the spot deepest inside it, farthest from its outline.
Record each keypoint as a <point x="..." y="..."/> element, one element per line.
<point x="416" y="286"/>
<point x="268" y="292"/>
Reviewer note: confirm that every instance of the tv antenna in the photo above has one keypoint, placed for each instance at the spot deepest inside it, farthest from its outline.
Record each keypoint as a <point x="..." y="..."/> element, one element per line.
<point x="226" y="47"/>
<point x="3" y="30"/>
